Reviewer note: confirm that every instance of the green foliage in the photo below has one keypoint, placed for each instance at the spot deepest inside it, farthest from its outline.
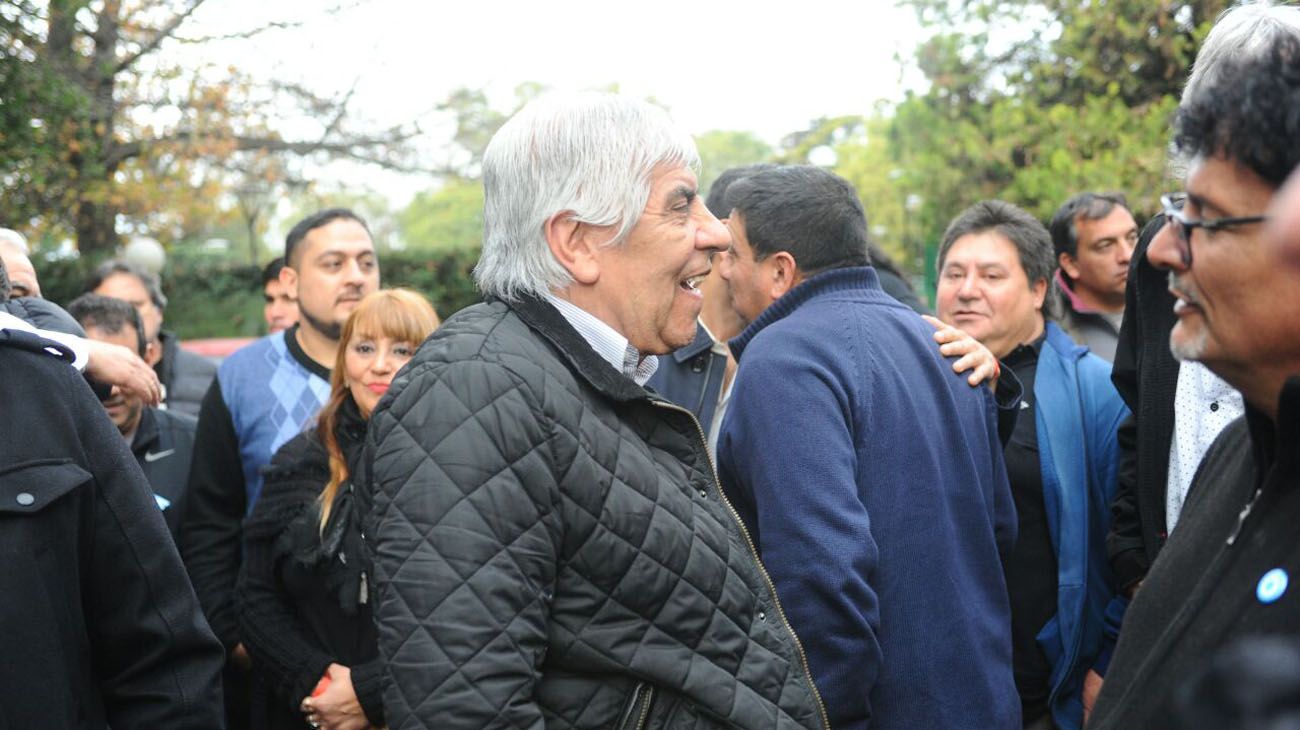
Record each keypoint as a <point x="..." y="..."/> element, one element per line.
<point x="207" y="299"/>
<point x="1030" y="101"/>
<point x="449" y="218"/>
<point x="722" y="149"/>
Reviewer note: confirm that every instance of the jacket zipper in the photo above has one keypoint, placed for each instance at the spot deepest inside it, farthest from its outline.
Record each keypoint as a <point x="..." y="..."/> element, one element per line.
<point x="771" y="587"/>
<point x="638" y="708"/>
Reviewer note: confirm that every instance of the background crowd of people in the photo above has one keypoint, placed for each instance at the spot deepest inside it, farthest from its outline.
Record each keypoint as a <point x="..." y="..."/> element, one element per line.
<point x="695" y="461"/>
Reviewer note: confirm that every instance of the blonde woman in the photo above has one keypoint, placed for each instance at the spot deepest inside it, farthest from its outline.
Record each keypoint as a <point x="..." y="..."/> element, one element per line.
<point x="302" y="593"/>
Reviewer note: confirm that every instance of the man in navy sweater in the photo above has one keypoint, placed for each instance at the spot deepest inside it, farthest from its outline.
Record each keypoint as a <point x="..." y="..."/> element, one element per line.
<point x="868" y="473"/>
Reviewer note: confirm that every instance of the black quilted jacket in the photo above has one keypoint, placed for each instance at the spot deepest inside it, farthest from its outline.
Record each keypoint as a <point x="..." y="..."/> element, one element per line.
<point x="552" y="549"/>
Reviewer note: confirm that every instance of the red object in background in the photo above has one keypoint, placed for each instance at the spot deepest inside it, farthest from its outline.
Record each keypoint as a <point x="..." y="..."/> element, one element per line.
<point x="321" y="686"/>
<point x="215" y="348"/>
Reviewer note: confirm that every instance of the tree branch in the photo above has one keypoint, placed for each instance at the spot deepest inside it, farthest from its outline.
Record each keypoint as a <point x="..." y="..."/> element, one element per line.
<point x="160" y="35"/>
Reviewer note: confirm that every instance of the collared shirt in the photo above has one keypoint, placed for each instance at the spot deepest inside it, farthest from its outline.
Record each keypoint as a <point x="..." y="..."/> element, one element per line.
<point x="611" y="346"/>
<point x="80" y="351"/>
<point x="1203" y="405"/>
<point x="724" y="393"/>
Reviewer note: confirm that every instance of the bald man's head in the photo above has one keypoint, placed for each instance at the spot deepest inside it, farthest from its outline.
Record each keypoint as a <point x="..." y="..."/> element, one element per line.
<point x="22" y="275"/>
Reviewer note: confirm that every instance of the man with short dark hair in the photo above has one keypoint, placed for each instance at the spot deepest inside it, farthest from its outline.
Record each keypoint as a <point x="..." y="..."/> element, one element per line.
<point x="1094" y="235"/>
<point x="1226" y="572"/>
<point x="185" y="376"/>
<point x="868" y="473"/>
<point x="995" y="267"/>
<point x="265" y="394"/>
<point x="280" y="310"/>
<point x="161" y="440"/>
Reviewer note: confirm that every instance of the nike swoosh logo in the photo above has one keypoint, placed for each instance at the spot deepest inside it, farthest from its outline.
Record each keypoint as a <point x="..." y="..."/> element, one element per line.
<point x="1023" y="405"/>
<point x="156" y="455"/>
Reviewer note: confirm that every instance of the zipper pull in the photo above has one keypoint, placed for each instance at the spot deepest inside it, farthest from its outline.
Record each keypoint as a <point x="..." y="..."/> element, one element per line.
<point x="363" y="595"/>
<point x="1241" y="518"/>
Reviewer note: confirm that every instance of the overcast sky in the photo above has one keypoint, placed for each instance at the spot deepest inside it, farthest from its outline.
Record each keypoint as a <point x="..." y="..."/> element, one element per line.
<point x="717" y="64"/>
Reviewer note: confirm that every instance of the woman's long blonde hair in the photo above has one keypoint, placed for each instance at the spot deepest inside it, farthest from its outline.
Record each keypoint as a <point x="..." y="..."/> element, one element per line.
<point x="401" y="314"/>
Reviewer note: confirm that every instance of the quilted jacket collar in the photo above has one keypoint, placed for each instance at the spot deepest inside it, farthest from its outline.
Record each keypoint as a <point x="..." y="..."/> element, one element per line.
<point x="546" y="320"/>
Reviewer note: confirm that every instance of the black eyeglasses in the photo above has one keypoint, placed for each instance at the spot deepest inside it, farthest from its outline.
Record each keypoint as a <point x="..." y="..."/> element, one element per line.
<point x="1173" y="209"/>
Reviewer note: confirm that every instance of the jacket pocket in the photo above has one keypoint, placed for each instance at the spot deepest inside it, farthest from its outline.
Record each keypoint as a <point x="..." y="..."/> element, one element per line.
<point x="32" y="486"/>
<point x="637" y="711"/>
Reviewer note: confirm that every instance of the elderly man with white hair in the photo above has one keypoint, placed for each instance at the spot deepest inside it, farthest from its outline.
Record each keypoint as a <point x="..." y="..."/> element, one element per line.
<point x="551" y="547"/>
<point x="14" y="253"/>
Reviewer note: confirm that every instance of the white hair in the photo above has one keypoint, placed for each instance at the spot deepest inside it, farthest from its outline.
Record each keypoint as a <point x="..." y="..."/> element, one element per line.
<point x="1241" y="32"/>
<point x="590" y="155"/>
<point x="14" y="240"/>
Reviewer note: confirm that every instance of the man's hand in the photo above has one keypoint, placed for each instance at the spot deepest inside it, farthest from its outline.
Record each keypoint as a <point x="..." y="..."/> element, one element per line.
<point x="970" y="353"/>
<point x="337" y="707"/>
<point x="116" y="365"/>
<point x="1091" y="688"/>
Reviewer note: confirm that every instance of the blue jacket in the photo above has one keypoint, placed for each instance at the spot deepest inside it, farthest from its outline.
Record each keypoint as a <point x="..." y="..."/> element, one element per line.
<point x="691" y="377"/>
<point x="1075" y="397"/>
<point x="870" y="477"/>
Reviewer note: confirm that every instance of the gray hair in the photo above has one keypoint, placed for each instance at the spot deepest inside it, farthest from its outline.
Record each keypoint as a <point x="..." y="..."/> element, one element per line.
<point x="15" y="241"/>
<point x="1242" y="32"/>
<point x="592" y="155"/>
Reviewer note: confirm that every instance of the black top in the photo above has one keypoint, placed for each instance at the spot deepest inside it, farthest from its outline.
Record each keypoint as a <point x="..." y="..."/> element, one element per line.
<point x="100" y="626"/>
<point x="1146" y="376"/>
<point x="1031" y="567"/>
<point x="163" y="446"/>
<point x="1228" y="572"/>
<point x="302" y="595"/>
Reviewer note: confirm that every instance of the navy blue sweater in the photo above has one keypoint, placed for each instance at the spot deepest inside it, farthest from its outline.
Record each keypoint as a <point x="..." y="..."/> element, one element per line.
<point x="871" y="477"/>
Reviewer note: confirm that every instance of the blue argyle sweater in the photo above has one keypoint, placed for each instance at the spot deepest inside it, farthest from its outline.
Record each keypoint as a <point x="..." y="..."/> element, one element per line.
<point x="272" y="395"/>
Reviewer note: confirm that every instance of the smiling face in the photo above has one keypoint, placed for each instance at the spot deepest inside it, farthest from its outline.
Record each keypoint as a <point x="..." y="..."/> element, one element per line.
<point x="983" y="290"/>
<point x="370" y="364"/>
<point x="1099" y="268"/>
<point x="1231" y="299"/>
<point x="123" y="410"/>
<point x="647" y="288"/>
<point x="334" y="267"/>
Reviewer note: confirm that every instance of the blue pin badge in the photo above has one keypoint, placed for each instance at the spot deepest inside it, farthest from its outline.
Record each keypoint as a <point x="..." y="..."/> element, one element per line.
<point x="1272" y="586"/>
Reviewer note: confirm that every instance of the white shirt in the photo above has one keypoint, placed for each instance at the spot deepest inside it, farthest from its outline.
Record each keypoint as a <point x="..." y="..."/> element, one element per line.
<point x="611" y="346"/>
<point x="80" y="351"/>
<point x="724" y="393"/>
<point x="1203" y="405"/>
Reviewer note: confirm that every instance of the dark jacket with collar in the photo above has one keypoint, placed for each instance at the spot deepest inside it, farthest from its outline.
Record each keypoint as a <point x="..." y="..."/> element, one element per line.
<point x="185" y="376"/>
<point x="1228" y="571"/>
<point x="1076" y="418"/>
<point x="551" y="548"/>
<point x="100" y="625"/>
<point x="691" y="377"/>
<point x="1146" y="375"/>
<point x="871" y="476"/>
<point x="163" y="446"/>
<point x="302" y="594"/>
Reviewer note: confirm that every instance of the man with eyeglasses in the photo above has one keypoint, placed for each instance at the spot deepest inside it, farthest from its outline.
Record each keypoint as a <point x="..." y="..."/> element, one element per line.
<point x="1226" y="574"/>
<point x="1178" y="409"/>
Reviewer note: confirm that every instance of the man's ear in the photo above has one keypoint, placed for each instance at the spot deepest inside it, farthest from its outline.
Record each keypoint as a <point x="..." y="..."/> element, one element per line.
<point x="785" y="273"/>
<point x="575" y="246"/>
<point x="151" y="354"/>
<point x="289" y="278"/>
<point x="1068" y="265"/>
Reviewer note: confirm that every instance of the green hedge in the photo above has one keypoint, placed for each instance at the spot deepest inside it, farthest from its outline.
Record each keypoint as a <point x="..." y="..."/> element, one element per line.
<point x="216" y="300"/>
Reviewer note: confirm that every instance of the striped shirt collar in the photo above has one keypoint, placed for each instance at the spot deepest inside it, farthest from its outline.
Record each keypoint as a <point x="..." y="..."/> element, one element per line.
<point x="611" y="346"/>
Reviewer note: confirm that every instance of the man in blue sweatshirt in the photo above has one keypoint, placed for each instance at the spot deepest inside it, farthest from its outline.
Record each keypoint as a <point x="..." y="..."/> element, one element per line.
<point x="868" y="473"/>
